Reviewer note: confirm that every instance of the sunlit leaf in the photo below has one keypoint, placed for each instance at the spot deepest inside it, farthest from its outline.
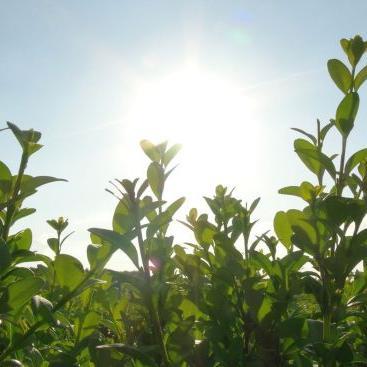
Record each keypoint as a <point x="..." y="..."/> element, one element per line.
<point x="346" y="113"/>
<point x="340" y="75"/>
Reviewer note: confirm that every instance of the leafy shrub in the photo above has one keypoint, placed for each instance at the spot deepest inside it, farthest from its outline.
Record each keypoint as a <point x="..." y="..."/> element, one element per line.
<point x="228" y="298"/>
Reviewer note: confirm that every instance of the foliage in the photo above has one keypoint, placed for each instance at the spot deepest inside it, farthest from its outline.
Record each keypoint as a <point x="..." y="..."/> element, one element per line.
<point x="297" y="297"/>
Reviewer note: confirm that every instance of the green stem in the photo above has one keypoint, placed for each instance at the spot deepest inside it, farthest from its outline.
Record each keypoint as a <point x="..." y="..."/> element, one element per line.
<point x="326" y="311"/>
<point x="12" y="203"/>
<point x="340" y="185"/>
<point x="152" y="310"/>
<point x="326" y="330"/>
<point x="245" y="240"/>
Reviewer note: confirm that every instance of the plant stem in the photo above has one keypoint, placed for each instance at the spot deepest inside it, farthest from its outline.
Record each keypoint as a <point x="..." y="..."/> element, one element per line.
<point x="12" y="203"/>
<point x="152" y="310"/>
<point x="340" y="185"/>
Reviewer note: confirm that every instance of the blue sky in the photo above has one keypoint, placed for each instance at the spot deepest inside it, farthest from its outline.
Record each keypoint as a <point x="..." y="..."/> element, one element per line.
<point x="87" y="73"/>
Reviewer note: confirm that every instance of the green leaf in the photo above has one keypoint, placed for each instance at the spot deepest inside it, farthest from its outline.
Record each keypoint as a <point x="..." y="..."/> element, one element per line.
<point x="21" y="241"/>
<point x="5" y="180"/>
<point x="42" y="307"/>
<point x="354" y="160"/>
<point x="310" y="136"/>
<point x="150" y="150"/>
<point x="354" y="49"/>
<point x="326" y="129"/>
<point x="69" y="271"/>
<point x="303" y="145"/>
<point x="189" y="309"/>
<point x="290" y="190"/>
<point x="30" y="184"/>
<point x="171" y="153"/>
<point x="22" y="213"/>
<point x="283" y="229"/>
<point x="314" y="160"/>
<point x="161" y="220"/>
<point x="88" y="325"/>
<point x="123" y="219"/>
<point x="155" y="177"/>
<point x="360" y="78"/>
<point x="262" y="261"/>
<point x="293" y="261"/>
<point x="53" y="244"/>
<point x="175" y="206"/>
<point x="19" y="293"/>
<point x="141" y="353"/>
<point x="265" y="308"/>
<point x="17" y="133"/>
<point x="346" y="113"/>
<point x="294" y="328"/>
<point x="338" y="210"/>
<point x="204" y="232"/>
<point x="5" y="257"/>
<point x="305" y="191"/>
<point x="340" y="75"/>
<point x="99" y="254"/>
<point x="11" y="363"/>
<point x="254" y="205"/>
<point x="119" y="241"/>
<point x="304" y="237"/>
<point x="27" y="138"/>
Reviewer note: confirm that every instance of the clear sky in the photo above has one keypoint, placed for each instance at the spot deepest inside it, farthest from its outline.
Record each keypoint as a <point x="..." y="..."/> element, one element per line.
<point x="227" y="79"/>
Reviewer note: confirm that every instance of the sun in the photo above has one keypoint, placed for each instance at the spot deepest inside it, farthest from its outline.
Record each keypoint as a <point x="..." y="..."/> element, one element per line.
<point x="210" y="115"/>
<point x="188" y="104"/>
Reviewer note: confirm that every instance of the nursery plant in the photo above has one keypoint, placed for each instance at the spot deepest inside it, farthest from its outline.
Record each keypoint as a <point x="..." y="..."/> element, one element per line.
<point x="295" y="295"/>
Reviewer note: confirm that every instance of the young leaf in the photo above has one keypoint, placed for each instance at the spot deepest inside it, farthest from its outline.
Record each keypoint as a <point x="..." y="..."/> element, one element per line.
<point x="171" y="153"/>
<point x="354" y="49"/>
<point x="27" y="138"/>
<point x="360" y="78"/>
<point x="310" y="136"/>
<point x="254" y="204"/>
<point x="326" y="129"/>
<point x="150" y="150"/>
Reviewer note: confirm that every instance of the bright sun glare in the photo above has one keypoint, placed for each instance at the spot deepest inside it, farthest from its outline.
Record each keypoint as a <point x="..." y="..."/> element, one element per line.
<point x="210" y="116"/>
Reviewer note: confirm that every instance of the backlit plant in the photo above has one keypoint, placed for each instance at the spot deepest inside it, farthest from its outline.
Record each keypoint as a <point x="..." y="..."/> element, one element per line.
<point x="295" y="296"/>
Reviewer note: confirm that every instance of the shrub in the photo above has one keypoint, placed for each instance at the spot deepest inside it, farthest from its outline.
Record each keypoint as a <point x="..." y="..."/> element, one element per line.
<point x="228" y="298"/>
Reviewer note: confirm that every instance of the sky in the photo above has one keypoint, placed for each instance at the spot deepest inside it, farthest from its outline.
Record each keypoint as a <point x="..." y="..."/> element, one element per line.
<point x="226" y="79"/>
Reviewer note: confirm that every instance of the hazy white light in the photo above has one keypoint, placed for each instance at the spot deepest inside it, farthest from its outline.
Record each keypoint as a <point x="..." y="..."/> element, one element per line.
<point x="210" y="116"/>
